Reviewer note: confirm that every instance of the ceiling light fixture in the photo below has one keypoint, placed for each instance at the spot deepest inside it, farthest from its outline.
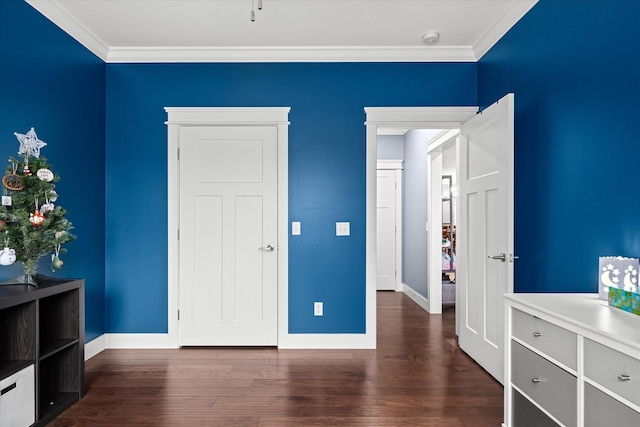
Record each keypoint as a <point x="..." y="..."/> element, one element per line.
<point x="253" y="12"/>
<point x="431" y="37"/>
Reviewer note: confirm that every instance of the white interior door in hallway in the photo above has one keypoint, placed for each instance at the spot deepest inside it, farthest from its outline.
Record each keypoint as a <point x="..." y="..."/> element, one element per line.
<point x="389" y="232"/>
<point x="228" y="236"/>
<point x="485" y="233"/>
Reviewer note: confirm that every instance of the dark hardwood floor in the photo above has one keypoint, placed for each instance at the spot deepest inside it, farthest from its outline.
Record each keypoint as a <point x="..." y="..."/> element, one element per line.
<point x="418" y="376"/>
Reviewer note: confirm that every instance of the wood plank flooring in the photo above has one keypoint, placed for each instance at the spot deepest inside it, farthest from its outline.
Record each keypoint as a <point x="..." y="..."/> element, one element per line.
<point x="417" y="376"/>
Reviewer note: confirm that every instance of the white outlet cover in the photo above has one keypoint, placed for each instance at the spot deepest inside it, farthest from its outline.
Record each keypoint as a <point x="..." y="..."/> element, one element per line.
<point x="343" y="229"/>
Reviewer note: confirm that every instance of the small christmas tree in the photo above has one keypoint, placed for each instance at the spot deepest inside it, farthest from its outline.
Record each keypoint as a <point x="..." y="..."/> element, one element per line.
<point x="31" y="226"/>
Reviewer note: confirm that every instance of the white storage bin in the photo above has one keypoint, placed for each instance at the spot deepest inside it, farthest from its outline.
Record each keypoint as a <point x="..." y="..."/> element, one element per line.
<point x="17" y="399"/>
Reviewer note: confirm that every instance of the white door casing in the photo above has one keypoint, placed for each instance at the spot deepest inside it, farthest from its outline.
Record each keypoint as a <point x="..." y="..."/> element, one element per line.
<point x="405" y="118"/>
<point x="485" y="230"/>
<point x="179" y="118"/>
<point x="389" y="225"/>
<point x="228" y="235"/>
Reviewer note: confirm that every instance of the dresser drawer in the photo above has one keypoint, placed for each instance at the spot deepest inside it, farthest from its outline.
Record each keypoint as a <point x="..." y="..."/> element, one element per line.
<point x="601" y="409"/>
<point x="609" y="367"/>
<point x="550" y="339"/>
<point x="526" y="414"/>
<point x="548" y="385"/>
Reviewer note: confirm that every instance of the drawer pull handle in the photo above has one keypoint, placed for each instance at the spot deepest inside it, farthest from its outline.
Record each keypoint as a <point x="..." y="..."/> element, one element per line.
<point x="537" y="334"/>
<point x="535" y="380"/>
<point x="8" y="389"/>
<point x="623" y="377"/>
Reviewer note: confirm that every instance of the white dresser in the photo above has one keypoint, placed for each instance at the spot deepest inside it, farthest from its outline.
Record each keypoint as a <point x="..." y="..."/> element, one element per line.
<point x="570" y="360"/>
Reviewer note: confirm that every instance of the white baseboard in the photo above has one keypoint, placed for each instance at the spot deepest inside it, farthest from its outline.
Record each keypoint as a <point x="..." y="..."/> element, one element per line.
<point x="94" y="347"/>
<point x="328" y="341"/>
<point x="416" y="297"/>
<point x="141" y="341"/>
<point x="291" y="341"/>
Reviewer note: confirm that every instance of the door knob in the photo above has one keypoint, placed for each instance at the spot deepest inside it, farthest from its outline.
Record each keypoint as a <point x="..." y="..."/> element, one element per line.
<point x="502" y="257"/>
<point x="268" y="248"/>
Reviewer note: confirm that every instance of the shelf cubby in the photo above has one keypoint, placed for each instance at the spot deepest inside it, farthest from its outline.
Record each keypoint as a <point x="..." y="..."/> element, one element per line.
<point x="44" y="326"/>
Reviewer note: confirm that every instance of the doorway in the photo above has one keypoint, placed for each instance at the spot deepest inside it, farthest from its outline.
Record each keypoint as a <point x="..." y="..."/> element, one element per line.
<point x="216" y="117"/>
<point x="447" y="118"/>
<point x="486" y="200"/>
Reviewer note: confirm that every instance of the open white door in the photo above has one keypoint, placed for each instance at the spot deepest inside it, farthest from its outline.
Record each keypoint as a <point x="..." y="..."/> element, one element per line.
<point x="485" y="233"/>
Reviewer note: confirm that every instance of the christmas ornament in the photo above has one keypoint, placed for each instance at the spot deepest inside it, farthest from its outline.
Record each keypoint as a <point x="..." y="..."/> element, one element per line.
<point x="6" y="201"/>
<point x="45" y="175"/>
<point x="26" y="170"/>
<point x="53" y="196"/>
<point x="11" y="181"/>
<point x="47" y="207"/>
<point x="56" y="262"/>
<point x="2" y="224"/>
<point x="7" y="256"/>
<point x="30" y="145"/>
<point x="59" y="234"/>
<point x="36" y="219"/>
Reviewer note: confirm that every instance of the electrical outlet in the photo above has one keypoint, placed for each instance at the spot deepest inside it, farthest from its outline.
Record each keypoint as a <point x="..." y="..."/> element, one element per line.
<point x="343" y="229"/>
<point x="317" y="309"/>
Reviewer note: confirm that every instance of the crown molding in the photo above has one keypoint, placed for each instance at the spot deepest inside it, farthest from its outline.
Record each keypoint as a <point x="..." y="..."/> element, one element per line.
<point x="52" y="10"/>
<point x="291" y="54"/>
<point x="56" y="14"/>
<point x="507" y="20"/>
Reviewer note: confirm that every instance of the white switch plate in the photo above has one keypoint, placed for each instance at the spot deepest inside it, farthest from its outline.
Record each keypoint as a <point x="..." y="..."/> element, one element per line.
<point x="295" y="228"/>
<point x="317" y="309"/>
<point x="342" y="229"/>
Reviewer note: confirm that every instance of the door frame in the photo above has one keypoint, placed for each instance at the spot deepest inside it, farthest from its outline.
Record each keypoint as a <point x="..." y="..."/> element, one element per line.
<point x="397" y="166"/>
<point x="406" y="118"/>
<point x="221" y="116"/>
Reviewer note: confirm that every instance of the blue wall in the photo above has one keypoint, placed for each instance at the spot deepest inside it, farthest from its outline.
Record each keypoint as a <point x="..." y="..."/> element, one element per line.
<point x="574" y="68"/>
<point x="576" y="97"/>
<point x="49" y="81"/>
<point x="326" y="173"/>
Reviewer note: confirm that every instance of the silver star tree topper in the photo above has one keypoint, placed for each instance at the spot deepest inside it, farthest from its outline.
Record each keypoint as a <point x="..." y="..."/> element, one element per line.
<point x="29" y="143"/>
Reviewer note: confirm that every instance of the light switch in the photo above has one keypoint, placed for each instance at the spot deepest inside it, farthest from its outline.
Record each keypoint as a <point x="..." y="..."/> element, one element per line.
<point x="342" y="229"/>
<point x="295" y="228"/>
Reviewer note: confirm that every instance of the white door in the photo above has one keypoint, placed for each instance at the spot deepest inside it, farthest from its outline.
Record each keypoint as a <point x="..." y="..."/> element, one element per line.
<point x="485" y="233"/>
<point x="228" y="236"/>
<point x="386" y="230"/>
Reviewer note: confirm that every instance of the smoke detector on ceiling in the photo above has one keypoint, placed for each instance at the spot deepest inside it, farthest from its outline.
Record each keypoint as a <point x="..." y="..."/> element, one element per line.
<point x="431" y="37"/>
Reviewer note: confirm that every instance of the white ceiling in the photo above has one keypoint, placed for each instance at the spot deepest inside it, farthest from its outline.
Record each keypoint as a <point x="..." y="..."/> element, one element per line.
<point x="284" y="30"/>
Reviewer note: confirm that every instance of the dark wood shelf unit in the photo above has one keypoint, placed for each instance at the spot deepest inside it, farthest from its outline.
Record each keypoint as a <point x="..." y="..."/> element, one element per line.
<point x="44" y="326"/>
